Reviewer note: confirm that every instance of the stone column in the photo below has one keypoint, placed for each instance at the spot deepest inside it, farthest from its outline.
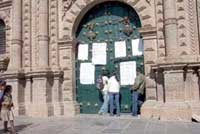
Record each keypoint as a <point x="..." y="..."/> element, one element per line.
<point x="16" y="47"/>
<point x="41" y="93"/>
<point x="170" y="23"/>
<point x="43" y="36"/>
<point x="67" y="63"/>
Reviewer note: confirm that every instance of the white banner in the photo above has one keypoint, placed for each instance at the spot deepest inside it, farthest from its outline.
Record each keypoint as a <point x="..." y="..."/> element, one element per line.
<point x="99" y="53"/>
<point x="87" y="73"/>
<point x="83" y="52"/>
<point x="137" y="47"/>
<point x="120" y="49"/>
<point x="127" y="72"/>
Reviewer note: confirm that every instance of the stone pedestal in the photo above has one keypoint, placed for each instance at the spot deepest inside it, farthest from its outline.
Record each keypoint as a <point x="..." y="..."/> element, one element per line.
<point x="147" y="109"/>
<point x="176" y="111"/>
<point x="70" y="108"/>
<point x="151" y="109"/>
<point x="195" y="107"/>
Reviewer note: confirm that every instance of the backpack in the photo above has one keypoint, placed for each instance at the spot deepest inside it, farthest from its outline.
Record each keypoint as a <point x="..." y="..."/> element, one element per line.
<point x="1" y="99"/>
<point x="99" y="83"/>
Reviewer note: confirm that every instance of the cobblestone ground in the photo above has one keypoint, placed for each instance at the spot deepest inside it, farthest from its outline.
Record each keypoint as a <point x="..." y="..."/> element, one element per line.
<point x="94" y="124"/>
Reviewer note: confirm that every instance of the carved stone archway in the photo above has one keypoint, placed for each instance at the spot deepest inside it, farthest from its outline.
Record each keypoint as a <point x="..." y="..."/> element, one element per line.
<point x="75" y="14"/>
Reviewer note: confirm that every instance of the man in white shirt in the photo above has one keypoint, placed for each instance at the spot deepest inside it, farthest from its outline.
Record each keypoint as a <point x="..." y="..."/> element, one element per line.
<point x="113" y="89"/>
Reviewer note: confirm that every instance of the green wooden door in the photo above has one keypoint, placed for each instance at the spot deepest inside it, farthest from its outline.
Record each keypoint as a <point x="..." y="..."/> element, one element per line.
<point x="107" y="22"/>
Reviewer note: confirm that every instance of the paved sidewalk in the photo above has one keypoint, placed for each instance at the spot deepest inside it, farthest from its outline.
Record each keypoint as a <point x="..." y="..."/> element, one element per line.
<point x="95" y="124"/>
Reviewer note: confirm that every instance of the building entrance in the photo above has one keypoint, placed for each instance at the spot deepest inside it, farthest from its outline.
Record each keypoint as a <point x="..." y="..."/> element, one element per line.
<point x="108" y="39"/>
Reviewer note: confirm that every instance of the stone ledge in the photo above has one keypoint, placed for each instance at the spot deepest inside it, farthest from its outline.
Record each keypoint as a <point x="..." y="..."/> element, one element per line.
<point x="170" y="111"/>
<point x="45" y="110"/>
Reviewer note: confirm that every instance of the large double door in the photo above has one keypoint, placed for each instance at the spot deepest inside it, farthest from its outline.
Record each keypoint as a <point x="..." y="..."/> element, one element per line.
<point x="108" y="23"/>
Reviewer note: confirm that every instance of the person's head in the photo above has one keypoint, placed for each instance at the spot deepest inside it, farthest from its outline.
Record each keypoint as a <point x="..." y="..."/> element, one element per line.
<point x="138" y="70"/>
<point x="8" y="89"/>
<point x="114" y="74"/>
<point x="105" y="72"/>
<point x="2" y="85"/>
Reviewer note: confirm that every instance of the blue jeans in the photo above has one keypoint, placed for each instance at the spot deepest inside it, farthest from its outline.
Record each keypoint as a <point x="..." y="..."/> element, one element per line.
<point x="114" y="101"/>
<point x="104" y="107"/>
<point x="135" y="102"/>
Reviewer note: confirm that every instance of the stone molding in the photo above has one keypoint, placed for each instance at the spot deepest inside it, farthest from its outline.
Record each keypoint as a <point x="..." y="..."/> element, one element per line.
<point x="80" y="7"/>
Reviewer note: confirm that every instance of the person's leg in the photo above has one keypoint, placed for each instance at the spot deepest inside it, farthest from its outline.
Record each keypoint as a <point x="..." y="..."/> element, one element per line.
<point x="139" y="102"/>
<point x="106" y="101"/>
<point x="134" y="103"/>
<point x="117" y="103"/>
<point x="5" y="126"/>
<point x="111" y="97"/>
<point x="12" y="127"/>
<point x="104" y="107"/>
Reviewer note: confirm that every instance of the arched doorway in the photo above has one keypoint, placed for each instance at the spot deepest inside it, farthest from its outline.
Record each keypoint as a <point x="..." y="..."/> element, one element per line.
<point x="107" y="39"/>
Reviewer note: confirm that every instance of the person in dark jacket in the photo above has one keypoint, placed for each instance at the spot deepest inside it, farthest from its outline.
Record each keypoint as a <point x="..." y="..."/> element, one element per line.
<point x="137" y="91"/>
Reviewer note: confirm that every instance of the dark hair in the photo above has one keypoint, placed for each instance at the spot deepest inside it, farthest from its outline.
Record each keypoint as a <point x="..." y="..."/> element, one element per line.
<point x="8" y="88"/>
<point x="138" y="69"/>
<point x="2" y="83"/>
<point x="105" y="72"/>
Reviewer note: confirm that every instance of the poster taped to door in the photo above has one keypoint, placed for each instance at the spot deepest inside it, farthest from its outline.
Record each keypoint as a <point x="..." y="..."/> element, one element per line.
<point x="120" y="49"/>
<point x="99" y="53"/>
<point x="137" y="47"/>
<point x="127" y="72"/>
<point x="83" y="52"/>
<point x="87" y="73"/>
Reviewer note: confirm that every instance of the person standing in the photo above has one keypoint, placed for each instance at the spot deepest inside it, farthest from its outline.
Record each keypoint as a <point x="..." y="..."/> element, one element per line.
<point x="137" y="91"/>
<point x="6" y="110"/>
<point x="104" y="107"/>
<point x="2" y="88"/>
<point x="114" y="88"/>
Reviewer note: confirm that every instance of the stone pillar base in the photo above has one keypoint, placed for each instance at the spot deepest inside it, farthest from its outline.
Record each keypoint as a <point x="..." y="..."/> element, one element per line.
<point x="147" y="109"/>
<point x="70" y="108"/>
<point x="151" y="109"/>
<point x="176" y="111"/>
<point x="195" y="106"/>
<point x="44" y="110"/>
<point x="170" y="111"/>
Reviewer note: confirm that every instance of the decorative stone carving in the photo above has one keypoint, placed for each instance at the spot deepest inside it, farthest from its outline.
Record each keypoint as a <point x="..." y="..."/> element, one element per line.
<point x="67" y="4"/>
<point x="192" y="14"/>
<point x="27" y="34"/>
<point x="160" y="27"/>
<point x="53" y="33"/>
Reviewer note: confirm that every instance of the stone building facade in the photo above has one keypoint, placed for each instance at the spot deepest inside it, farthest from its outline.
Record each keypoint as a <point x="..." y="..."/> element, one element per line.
<point x="41" y="45"/>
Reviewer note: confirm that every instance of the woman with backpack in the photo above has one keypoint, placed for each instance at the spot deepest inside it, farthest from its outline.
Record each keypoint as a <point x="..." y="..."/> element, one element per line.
<point x="104" y="90"/>
<point x="6" y="109"/>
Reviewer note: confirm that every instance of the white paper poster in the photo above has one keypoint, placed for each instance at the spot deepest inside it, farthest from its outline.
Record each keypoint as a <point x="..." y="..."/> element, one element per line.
<point x="83" y="52"/>
<point x="127" y="72"/>
<point x="120" y="49"/>
<point x="99" y="53"/>
<point x="137" y="47"/>
<point x="87" y="73"/>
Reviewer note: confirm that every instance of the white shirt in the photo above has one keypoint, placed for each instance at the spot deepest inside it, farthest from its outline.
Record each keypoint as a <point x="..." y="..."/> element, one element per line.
<point x="113" y="85"/>
<point x="105" y="83"/>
